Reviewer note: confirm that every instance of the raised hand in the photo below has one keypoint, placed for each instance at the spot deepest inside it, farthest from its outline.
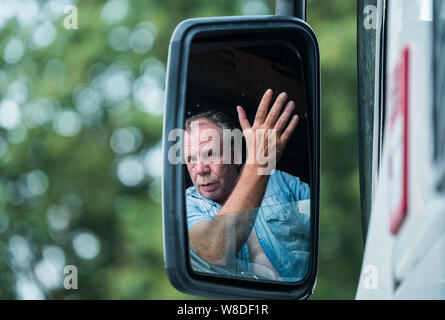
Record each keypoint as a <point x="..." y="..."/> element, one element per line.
<point x="268" y="136"/>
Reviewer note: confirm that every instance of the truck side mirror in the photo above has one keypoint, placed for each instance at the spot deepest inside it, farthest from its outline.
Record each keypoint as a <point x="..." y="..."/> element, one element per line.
<point x="269" y="250"/>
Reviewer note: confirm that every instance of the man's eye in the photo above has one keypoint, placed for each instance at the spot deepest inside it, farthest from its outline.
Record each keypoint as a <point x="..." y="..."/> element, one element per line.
<point x="189" y="159"/>
<point x="212" y="155"/>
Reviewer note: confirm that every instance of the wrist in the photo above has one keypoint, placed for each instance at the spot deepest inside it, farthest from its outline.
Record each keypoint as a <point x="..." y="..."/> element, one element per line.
<point x="255" y="172"/>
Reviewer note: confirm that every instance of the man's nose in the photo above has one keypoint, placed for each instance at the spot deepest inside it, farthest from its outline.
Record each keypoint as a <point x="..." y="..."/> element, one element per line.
<point x="202" y="167"/>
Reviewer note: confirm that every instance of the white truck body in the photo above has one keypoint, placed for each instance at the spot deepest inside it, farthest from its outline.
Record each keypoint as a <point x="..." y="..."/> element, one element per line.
<point x="410" y="262"/>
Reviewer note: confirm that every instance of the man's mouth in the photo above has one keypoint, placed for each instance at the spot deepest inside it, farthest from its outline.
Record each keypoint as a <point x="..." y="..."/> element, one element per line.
<point x="209" y="186"/>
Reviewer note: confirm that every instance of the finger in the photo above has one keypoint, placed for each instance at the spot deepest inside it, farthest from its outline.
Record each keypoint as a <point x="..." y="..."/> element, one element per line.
<point x="275" y="111"/>
<point x="263" y="106"/>
<point x="289" y="130"/>
<point x="243" y="118"/>
<point x="284" y="118"/>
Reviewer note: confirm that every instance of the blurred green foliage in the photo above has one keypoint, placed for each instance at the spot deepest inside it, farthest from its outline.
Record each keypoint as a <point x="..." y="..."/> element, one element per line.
<point x="341" y="244"/>
<point x="80" y="127"/>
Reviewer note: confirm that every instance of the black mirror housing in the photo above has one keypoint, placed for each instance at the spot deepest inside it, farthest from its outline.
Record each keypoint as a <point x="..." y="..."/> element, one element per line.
<point x="176" y="247"/>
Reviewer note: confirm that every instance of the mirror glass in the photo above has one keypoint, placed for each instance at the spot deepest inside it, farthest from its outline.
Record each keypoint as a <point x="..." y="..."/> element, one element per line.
<point x="246" y="161"/>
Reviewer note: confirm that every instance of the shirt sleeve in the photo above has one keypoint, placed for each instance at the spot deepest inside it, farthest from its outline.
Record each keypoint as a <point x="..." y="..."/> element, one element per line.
<point x="194" y="213"/>
<point x="299" y="190"/>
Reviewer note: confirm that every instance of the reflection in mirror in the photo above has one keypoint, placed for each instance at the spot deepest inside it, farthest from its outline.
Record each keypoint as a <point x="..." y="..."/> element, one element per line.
<point x="246" y="161"/>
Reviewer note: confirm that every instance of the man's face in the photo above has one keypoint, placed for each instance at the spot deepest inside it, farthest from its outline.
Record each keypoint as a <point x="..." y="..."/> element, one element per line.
<point x="203" y="154"/>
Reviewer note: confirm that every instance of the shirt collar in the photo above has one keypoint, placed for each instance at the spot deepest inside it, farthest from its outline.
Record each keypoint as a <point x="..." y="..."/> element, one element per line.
<point x="192" y="192"/>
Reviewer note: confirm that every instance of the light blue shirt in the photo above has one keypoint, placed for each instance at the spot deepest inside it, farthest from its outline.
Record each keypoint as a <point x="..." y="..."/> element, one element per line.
<point x="281" y="225"/>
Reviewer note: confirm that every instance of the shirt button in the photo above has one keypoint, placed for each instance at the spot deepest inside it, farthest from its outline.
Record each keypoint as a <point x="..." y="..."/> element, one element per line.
<point x="278" y="266"/>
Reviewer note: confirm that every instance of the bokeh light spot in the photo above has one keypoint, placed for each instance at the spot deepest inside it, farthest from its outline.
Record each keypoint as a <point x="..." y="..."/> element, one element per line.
<point x="86" y="245"/>
<point x="130" y="171"/>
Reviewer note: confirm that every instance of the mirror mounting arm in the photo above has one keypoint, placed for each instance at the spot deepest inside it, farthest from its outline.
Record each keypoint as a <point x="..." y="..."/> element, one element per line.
<point x="293" y="8"/>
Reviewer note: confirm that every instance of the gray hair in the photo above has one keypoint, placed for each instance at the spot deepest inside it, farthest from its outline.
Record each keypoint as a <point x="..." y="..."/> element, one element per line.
<point x="218" y="118"/>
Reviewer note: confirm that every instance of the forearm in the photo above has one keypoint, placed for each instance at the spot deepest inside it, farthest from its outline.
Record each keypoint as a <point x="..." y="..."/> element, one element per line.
<point x="248" y="192"/>
<point x="228" y="231"/>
